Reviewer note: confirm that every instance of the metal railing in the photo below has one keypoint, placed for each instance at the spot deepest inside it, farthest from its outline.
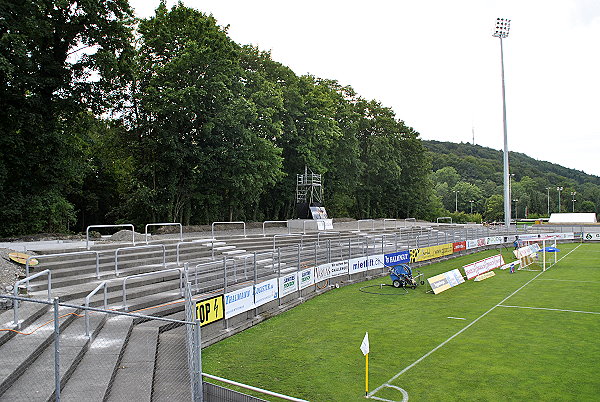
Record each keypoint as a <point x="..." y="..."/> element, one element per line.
<point x="138" y="248"/>
<point x="325" y="234"/>
<point x="193" y="242"/>
<point x="265" y="222"/>
<point x="391" y="220"/>
<point x="87" y="232"/>
<point x="103" y="285"/>
<point x="366" y="220"/>
<point x="437" y="220"/>
<point x="37" y="257"/>
<point x="286" y="235"/>
<point x="16" y="290"/>
<point x="163" y="224"/>
<point x="227" y="223"/>
<point x="255" y="389"/>
<point x="164" y="271"/>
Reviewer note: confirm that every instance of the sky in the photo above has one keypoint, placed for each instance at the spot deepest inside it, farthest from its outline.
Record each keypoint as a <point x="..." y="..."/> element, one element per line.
<point x="436" y="64"/>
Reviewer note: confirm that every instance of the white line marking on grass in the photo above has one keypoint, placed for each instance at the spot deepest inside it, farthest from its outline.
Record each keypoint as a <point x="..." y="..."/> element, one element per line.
<point x="404" y="394"/>
<point x="469" y="325"/>
<point x="567" y="280"/>
<point x="456" y="318"/>
<point x="551" y="309"/>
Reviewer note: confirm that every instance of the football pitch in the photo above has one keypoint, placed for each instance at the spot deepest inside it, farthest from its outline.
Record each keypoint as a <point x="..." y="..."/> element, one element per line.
<point x="530" y="335"/>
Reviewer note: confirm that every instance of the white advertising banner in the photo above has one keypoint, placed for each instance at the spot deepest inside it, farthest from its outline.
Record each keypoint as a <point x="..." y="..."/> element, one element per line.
<point x="306" y="278"/>
<point x="591" y="236"/>
<point x="339" y="268"/>
<point x="288" y="284"/>
<point x="362" y="264"/>
<point x="239" y="301"/>
<point x="482" y="266"/>
<point x="493" y="240"/>
<point x="322" y="272"/>
<point x="547" y="236"/>
<point x="265" y="292"/>
<point x="471" y="244"/>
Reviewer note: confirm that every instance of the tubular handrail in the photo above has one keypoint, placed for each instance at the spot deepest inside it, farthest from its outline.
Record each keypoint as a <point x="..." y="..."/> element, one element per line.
<point x="180" y="270"/>
<point x="183" y="243"/>
<point x="366" y="220"/>
<point x="437" y="220"/>
<point x="16" y="290"/>
<point x="138" y="248"/>
<point x="226" y="223"/>
<point x="327" y="233"/>
<point x="37" y="257"/>
<point x="251" y="388"/>
<point x="285" y="235"/>
<point x="265" y="222"/>
<point x="163" y="224"/>
<point x="390" y="220"/>
<point x="87" y="232"/>
<point x="406" y="220"/>
<point x="87" y="304"/>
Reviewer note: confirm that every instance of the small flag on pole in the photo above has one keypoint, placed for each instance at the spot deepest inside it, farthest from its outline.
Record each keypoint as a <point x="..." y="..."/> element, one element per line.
<point x="364" y="346"/>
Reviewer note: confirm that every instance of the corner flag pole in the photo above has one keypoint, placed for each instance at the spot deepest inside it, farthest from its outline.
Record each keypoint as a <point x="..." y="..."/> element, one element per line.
<point x="364" y="347"/>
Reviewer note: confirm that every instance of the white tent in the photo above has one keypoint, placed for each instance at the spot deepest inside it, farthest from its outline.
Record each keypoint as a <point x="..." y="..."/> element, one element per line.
<point x="573" y="218"/>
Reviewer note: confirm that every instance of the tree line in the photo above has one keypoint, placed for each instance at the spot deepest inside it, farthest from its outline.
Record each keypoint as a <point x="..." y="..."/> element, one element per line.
<point x="106" y="118"/>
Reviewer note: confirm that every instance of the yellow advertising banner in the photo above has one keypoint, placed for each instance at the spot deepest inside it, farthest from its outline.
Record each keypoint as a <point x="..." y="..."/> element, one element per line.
<point x="210" y="310"/>
<point x="428" y="253"/>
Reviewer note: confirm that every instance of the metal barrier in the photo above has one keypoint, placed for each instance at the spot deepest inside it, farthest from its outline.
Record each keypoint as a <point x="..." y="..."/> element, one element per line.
<point x="366" y="220"/>
<point x="87" y="232"/>
<point x="406" y="220"/>
<point x="227" y="223"/>
<point x="265" y="222"/>
<point x="251" y="388"/>
<point x="137" y="248"/>
<point x="163" y="224"/>
<point x="16" y="290"/>
<point x="198" y="241"/>
<point x="37" y="257"/>
<point x="437" y="220"/>
<point x="285" y="235"/>
<point x="326" y="233"/>
<point x="181" y="284"/>
<point x="390" y="220"/>
<point x="87" y="304"/>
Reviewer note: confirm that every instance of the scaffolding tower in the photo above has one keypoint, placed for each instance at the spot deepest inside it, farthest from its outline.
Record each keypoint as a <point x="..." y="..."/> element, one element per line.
<point x="309" y="188"/>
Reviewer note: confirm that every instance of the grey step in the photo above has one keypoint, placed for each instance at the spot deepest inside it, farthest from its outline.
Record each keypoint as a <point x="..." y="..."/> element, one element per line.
<point x="99" y="363"/>
<point x="171" y="378"/>
<point x="214" y="244"/>
<point x="224" y="248"/>
<point x="133" y="379"/>
<point x="36" y="380"/>
<point x="234" y="252"/>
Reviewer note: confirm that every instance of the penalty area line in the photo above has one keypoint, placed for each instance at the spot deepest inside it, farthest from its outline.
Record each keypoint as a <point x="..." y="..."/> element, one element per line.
<point x="441" y="345"/>
<point x="551" y="309"/>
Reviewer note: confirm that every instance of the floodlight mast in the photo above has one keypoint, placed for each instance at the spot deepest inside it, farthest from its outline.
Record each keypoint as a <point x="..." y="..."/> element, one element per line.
<point x="501" y="32"/>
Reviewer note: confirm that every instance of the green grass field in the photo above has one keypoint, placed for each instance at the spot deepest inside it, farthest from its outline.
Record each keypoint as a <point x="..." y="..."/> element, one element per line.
<point x="500" y="351"/>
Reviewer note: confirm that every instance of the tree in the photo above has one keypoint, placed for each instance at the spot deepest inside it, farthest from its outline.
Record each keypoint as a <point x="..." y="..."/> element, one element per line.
<point x="203" y="135"/>
<point x="494" y="208"/>
<point x="58" y="59"/>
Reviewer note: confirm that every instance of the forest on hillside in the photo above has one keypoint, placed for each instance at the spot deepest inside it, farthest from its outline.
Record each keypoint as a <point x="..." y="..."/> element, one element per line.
<point x="110" y="119"/>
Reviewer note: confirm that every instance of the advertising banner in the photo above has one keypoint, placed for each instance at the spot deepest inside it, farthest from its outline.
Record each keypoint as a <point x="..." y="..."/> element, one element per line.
<point x="306" y="278"/>
<point x="339" y="268"/>
<point x="401" y="257"/>
<point x="459" y="246"/>
<point x="482" y="266"/>
<point x="428" y="253"/>
<point x="362" y="264"/>
<point x="547" y="236"/>
<point x="445" y="281"/>
<point x="288" y="284"/>
<point x="210" y="310"/>
<point x="591" y="236"/>
<point x="239" y="301"/>
<point x="527" y="250"/>
<point x="265" y="292"/>
<point x="481" y="242"/>
<point x="493" y="240"/>
<point x="322" y="272"/>
<point x="471" y="244"/>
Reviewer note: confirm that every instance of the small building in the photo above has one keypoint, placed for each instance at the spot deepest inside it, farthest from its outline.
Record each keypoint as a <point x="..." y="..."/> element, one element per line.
<point x="587" y="217"/>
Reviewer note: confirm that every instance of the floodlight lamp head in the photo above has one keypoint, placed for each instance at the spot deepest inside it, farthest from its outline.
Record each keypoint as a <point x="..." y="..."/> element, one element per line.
<point x="502" y="28"/>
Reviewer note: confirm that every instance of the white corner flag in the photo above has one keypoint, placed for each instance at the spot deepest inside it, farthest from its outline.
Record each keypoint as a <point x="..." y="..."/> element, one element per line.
<point x="364" y="346"/>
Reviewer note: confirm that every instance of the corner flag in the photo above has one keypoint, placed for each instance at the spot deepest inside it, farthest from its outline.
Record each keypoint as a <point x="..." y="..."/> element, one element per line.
<point x="364" y="347"/>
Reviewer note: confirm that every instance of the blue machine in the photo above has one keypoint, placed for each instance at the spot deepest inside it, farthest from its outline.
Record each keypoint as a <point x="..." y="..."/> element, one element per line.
<point x="402" y="277"/>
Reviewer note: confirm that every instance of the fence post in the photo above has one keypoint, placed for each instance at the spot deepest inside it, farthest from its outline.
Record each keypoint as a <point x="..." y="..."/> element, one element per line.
<point x="56" y="352"/>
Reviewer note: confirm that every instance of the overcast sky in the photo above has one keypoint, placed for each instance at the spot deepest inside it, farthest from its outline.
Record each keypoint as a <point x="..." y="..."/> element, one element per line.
<point x="437" y="65"/>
